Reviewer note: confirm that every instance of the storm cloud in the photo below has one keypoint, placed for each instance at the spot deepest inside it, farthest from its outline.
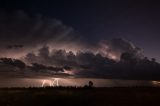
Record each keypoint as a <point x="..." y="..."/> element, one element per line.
<point x="88" y="64"/>
<point x="22" y="33"/>
<point x="33" y="31"/>
<point x="46" y="44"/>
<point x="115" y="47"/>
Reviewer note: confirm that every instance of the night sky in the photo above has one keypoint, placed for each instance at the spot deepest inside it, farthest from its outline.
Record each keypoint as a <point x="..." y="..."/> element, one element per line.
<point x="61" y="33"/>
<point x="136" y="21"/>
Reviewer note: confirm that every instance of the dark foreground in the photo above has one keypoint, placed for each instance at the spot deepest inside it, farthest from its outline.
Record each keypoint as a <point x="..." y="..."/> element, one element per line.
<point x="136" y="96"/>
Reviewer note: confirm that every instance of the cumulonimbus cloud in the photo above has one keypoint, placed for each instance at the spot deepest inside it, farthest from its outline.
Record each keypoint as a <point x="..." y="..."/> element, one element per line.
<point x="21" y="33"/>
<point x="32" y="32"/>
<point x="115" y="47"/>
<point x="89" y="64"/>
<point x="47" y="41"/>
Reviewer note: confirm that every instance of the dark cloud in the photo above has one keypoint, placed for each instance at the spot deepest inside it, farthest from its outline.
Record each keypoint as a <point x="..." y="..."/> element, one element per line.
<point x="47" y="46"/>
<point x="33" y="31"/>
<point x="54" y="58"/>
<point x="15" y="68"/>
<point x="13" y="62"/>
<point x="81" y="64"/>
<point x="15" y="46"/>
<point x="44" y="68"/>
<point x="115" y="47"/>
<point x="88" y="64"/>
<point x="19" y="30"/>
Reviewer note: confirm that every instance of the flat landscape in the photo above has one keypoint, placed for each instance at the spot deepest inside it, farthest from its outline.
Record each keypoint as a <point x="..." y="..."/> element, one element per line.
<point x="71" y="96"/>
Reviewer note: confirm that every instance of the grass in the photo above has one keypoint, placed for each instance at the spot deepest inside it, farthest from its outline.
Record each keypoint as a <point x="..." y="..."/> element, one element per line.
<point x="71" y="96"/>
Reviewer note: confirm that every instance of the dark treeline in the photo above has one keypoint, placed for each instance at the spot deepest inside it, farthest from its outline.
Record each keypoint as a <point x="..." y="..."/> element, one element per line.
<point x="119" y="96"/>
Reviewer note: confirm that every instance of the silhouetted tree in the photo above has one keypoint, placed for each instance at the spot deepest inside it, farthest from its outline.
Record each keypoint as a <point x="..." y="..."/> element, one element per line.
<point x="153" y="60"/>
<point x="90" y="84"/>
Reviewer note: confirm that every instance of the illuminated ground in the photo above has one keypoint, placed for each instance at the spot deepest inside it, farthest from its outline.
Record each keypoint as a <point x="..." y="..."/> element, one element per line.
<point x="136" y="96"/>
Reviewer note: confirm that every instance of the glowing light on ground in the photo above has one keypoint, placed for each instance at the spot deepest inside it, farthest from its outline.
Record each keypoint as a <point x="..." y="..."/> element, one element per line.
<point x="156" y="82"/>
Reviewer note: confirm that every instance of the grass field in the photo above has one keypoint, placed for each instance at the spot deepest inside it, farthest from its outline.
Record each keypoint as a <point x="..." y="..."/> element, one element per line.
<point x="70" y="96"/>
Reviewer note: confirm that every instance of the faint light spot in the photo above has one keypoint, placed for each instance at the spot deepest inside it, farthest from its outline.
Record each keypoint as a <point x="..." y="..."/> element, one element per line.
<point x="157" y="83"/>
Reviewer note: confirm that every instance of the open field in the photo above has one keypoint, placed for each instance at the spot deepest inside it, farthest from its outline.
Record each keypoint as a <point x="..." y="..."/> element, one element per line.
<point x="70" y="96"/>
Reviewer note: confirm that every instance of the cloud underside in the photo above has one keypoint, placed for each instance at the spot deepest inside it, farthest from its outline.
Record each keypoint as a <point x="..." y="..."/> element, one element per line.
<point x="50" y="48"/>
